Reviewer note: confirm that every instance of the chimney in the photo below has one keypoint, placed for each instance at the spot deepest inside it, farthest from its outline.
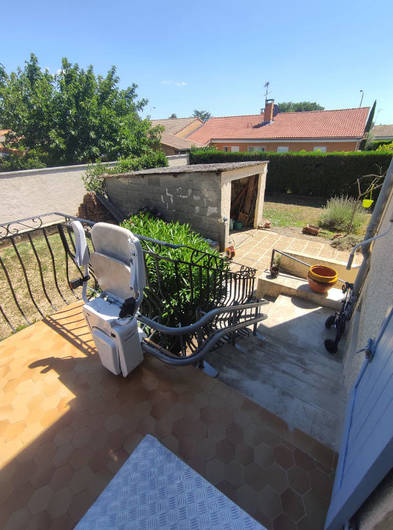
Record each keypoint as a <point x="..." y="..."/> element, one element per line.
<point x="268" y="114"/>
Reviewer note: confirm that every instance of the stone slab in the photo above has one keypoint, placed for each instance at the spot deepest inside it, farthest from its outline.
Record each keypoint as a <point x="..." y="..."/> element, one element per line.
<point x="292" y="286"/>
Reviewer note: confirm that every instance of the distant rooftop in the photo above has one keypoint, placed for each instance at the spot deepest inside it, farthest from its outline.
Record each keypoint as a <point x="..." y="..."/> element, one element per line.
<point x="345" y="123"/>
<point x="381" y="132"/>
<point x="175" y="125"/>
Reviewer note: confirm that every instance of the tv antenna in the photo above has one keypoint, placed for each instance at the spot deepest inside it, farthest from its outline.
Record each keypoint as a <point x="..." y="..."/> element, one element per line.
<point x="266" y="85"/>
<point x="361" y="99"/>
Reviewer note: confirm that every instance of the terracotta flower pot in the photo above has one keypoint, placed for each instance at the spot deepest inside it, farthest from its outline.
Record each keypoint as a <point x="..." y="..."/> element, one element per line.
<point x="321" y="278"/>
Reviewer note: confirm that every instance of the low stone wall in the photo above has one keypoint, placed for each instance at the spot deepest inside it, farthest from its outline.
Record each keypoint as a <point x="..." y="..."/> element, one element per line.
<point x="195" y="200"/>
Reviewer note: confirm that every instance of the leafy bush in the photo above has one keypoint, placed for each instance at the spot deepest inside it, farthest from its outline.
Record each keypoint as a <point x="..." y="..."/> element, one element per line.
<point x="373" y="145"/>
<point x="16" y="162"/>
<point x="343" y="214"/>
<point x="308" y="173"/>
<point x="386" y="147"/>
<point x="93" y="178"/>
<point x="175" y="289"/>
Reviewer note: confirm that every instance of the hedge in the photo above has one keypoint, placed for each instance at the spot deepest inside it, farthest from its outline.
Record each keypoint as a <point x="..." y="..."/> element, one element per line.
<point x="373" y="146"/>
<point x="308" y="173"/>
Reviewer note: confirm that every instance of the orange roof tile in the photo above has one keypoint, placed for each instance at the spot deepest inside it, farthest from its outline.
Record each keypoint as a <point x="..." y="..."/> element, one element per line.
<point x="345" y="123"/>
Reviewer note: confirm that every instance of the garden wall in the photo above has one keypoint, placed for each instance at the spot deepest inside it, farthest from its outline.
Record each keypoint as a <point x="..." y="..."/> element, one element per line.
<point x="36" y="191"/>
<point x="314" y="174"/>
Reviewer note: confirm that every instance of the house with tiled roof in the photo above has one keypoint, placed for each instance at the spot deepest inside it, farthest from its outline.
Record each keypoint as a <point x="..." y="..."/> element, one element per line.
<point x="174" y="138"/>
<point x="326" y="130"/>
<point x="382" y="132"/>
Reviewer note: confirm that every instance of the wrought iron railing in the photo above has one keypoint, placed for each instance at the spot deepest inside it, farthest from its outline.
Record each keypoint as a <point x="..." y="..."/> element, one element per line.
<point x="36" y="266"/>
<point x="35" y="269"/>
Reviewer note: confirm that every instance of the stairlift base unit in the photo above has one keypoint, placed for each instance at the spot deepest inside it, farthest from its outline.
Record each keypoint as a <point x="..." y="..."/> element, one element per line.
<point x="119" y="270"/>
<point x="118" y="344"/>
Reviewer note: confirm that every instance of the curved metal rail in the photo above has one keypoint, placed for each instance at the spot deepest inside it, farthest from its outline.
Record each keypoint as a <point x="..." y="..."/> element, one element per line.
<point x="206" y="330"/>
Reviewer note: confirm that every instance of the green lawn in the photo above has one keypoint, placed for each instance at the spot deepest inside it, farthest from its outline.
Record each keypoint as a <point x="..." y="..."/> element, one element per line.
<point x="290" y="211"/>
<point x="17" y="278"/>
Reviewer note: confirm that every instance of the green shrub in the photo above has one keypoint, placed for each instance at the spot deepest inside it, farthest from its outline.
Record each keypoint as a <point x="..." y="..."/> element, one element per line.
<point x="175" y="289"/>
<point x="93" y="178"/>
<point x="14" y="162"/>
<point x="374" y="144"/>
<point x="387" y="147"/>
<point x="308" y="173"/>
<point x="343" y="214"/>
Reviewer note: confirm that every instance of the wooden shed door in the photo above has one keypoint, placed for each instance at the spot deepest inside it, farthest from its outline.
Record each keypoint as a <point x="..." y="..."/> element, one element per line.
<point x="366" y="452"/>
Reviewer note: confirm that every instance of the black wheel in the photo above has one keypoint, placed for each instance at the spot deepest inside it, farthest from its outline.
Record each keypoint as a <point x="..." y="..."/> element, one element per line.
<point x="330" y="321"/>
<point x="331" y="346"/>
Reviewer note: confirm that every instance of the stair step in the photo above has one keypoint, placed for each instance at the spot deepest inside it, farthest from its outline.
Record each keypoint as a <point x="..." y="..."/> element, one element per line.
<point x="292" y="286"/>
<point x="299" y="322"/>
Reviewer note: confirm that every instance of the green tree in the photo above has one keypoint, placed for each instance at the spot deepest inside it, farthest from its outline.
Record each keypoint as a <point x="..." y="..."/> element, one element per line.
<point x="173" y="116"/>
<point x="74" y="116"/>
<point x="203" y="115"/>
<point x="301" y="106"/>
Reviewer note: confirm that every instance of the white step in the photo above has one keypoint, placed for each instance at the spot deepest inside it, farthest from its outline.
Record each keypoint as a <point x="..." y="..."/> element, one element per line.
<point x="292" y="286"/>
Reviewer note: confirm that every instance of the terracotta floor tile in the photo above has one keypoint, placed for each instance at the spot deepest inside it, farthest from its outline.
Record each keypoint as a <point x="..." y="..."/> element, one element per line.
<point x="18" y="519"/>
<point x="255" y="477"/>
<point x="59" y="503"/>
<point x="283" y="456"/>
<point x="299" y="480"/>
<point x="74" y="425"/>
<point x="40" y="499"/>
<point x="270" y="503"/>
<point x="228" y="490"/>
<point x="283" y="522"/>
<point x="225" y="451"/>
<point x="277" y="478"/>
<point x="61" y="477"/>
<point x="292" y="505"/>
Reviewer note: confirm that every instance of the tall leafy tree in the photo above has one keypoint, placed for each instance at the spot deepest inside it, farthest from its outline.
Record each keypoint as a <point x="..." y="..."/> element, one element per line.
<point x="301" y="106"/>
<point x="202" y="115"/>
<point x="74" y="115"/>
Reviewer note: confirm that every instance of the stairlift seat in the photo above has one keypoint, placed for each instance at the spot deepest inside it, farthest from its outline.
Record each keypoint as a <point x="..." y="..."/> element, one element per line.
<point x="118" y="265"/>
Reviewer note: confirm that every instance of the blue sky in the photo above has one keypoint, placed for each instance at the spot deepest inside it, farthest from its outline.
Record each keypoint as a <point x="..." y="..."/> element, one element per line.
<point x="216" y="55"/>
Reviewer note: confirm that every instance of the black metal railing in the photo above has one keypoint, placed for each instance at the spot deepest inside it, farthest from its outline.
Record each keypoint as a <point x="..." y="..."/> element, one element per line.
<point x="36" y="266"/>
<point x="35" y="269"/>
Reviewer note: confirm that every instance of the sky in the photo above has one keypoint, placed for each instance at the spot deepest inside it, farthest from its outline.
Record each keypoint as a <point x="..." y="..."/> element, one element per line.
<point x="216" y="55"/>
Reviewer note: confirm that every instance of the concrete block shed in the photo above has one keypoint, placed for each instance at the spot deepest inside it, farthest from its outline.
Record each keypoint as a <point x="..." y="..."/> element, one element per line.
<point x="199" y="194"/>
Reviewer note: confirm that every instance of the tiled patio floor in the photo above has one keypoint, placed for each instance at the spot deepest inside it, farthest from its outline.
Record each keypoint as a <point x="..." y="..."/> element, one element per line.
<point x="254" y="247"/>
<point x="67" y="426"/>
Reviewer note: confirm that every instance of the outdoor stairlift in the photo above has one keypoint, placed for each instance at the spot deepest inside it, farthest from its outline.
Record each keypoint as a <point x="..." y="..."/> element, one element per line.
<point x="113" y="316"/>
<point x="119" y="268"/>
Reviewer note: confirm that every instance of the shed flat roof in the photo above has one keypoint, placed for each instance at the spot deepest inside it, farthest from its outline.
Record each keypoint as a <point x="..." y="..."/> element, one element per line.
<point x="195" y="168"/>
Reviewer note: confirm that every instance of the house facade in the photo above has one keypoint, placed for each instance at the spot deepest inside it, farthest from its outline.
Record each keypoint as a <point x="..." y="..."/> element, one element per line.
<point x="324" y="131"/>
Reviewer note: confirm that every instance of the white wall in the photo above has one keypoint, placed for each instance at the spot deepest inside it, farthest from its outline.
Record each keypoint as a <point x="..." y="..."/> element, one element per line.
<point x="37" y="191"/>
